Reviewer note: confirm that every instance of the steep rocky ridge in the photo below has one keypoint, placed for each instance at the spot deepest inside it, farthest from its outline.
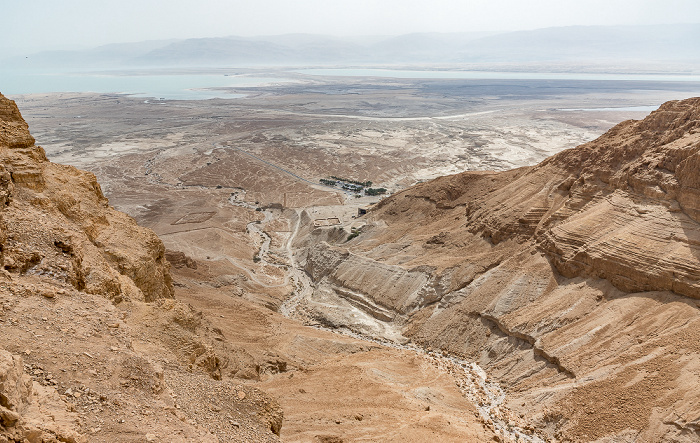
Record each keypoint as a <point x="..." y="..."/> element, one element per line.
<point x="57" y="223"/>
<point x="573" y="282"/>
<point x="93" y="345"/>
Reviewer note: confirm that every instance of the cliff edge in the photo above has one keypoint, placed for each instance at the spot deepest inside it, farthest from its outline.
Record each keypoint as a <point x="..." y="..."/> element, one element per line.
<point x="93" y="347"/>
<point x="57" y="224"/>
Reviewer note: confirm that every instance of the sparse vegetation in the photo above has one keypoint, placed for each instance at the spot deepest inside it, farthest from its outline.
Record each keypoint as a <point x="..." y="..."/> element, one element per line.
<point x="375" y="191"/>
<point x="355" y="186"/>
<point x="354" y="232"/>
<point x="366" y="184"/>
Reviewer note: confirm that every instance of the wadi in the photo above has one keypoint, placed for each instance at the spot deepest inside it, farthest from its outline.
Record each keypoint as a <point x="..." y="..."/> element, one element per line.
<point x="329" y="259"/>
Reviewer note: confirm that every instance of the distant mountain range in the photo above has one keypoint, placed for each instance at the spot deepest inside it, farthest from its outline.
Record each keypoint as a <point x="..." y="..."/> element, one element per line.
<point x="673" y="43"/>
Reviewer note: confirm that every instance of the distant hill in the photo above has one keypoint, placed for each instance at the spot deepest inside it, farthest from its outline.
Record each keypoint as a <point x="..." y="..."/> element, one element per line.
<point x="654" y="42"/>
<point x="235" y="50"/>
<point x="614" y="44"/>
<point x="112" y="55"/>
<point x="423" y="47"/>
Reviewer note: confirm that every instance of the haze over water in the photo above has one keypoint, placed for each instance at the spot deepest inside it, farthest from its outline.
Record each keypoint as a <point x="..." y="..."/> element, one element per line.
<point x="178" y="86"/>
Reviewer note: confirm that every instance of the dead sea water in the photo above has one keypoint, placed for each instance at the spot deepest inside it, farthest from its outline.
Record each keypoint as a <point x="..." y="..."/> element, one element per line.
<point x="166" y="86"/>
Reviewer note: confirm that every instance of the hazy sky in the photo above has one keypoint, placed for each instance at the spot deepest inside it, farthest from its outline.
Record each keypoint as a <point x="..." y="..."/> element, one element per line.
<point x="32" y="25"/>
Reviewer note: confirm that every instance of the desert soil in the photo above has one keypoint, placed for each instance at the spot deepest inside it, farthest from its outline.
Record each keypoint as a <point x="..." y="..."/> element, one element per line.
<point x="225" y="182"/>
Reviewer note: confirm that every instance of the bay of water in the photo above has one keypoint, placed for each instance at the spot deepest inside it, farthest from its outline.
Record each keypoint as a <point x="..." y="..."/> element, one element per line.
<point x="494" y="75"/>
<point x="166" y="86"/>
<point x="202" y="86"/>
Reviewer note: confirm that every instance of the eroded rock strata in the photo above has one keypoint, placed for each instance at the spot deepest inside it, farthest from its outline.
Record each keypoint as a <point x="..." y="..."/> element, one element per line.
<point x="93" y="347"/>
<point x="575" y="282"/>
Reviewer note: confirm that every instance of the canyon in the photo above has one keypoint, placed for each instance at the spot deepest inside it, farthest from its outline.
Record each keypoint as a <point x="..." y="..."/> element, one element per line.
<point x="99" y="345"/>
<point x="555" y="302"/>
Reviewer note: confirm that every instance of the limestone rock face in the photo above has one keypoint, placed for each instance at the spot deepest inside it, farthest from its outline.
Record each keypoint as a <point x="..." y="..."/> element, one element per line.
<point x="178" y="259"/>
<point x="15" y="386"/>
<point x="574" y="282"/>
<point x="623" y="207"/>
<point x="636" y="203"/>
<point x="59" y="238"/>
<point x="20" y="418"/>
<point x="86" y="298"/>
<point x="58" y="224"/>
<point x="15" y="131"/>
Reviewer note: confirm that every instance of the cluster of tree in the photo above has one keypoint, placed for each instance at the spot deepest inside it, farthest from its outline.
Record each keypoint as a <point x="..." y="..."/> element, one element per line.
<point x="375" y="191"/>
<point x="366" y="184"/>
<point x="327" y="182"/>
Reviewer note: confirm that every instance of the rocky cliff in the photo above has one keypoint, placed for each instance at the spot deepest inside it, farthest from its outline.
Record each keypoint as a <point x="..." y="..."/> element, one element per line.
<point x="574" y="282"/>
<point x="58" y="225"/>
<point x="92" y="345"/>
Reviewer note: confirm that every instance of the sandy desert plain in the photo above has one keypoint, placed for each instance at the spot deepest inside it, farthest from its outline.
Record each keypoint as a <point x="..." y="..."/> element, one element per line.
<point x="233" y="184"/>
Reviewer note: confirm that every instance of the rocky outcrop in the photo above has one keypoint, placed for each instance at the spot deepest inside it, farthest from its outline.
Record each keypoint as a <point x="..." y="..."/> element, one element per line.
<point x="573" y="282"/>
<point x="631" y="215"/>
<point x="389" y="287"/>
<point x="15" y="131"/>
<point x="623" y="207"/>
<point x="15" y="388"/>
<point x="21" y="418"/>
<point x="58" y="224"/>
<point x="178" y="259"/>
<point x="86" y="298"/>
